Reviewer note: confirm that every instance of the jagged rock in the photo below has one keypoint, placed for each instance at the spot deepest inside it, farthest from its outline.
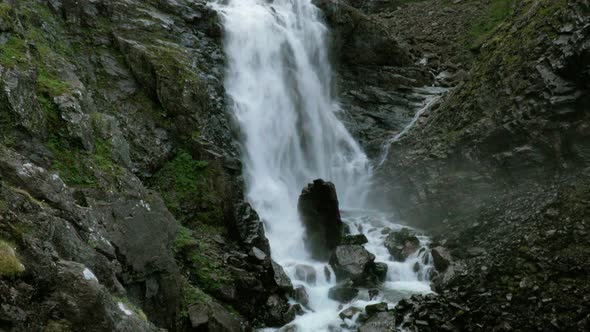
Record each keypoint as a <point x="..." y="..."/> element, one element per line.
<point x="381" y="322"/>
<point x="349" y="313"/>
<point x="318" y="208"/>
<point x="258" y="254"/>
<point x="441" y="258"/>
<point x="402" y="244"/>
<point x="344" y="292"/>
<point x="250" y="228"/>
<point x="358" y="239"/>
<point x="212" y="317"/>
<point x="353" y="262"/>
<point x="306" y="273"/>
<point x="281" y="278"/>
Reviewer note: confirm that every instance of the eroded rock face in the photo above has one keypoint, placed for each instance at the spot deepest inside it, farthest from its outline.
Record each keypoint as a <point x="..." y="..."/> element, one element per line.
<point x="361" y="40"/>
<point x="318" y="208"/>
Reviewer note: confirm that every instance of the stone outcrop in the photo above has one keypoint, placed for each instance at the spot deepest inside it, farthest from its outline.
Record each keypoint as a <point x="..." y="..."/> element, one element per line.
<point x="318" y="208"/>
<point x="402" y="244"/>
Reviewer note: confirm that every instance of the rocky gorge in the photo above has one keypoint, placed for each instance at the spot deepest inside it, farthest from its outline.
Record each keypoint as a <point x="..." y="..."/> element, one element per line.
<point x="122" y="190"/>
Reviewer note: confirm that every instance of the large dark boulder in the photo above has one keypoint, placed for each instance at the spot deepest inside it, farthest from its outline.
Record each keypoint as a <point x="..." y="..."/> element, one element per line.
<point x="318" y="208"/>
<point x="402" y="244"/>
<point x="344" y="292"/>
<point x="353" y="262"/>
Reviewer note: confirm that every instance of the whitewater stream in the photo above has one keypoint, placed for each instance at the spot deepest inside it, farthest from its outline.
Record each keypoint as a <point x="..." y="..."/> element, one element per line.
<point x="279" y="81"/>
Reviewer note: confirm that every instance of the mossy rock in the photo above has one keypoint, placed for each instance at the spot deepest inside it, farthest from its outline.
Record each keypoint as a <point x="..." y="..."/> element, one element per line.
<point x="10" y="265"/>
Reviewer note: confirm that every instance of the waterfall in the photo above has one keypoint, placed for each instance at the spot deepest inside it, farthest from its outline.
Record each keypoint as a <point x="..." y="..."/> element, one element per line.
<point x="279" y="83"/>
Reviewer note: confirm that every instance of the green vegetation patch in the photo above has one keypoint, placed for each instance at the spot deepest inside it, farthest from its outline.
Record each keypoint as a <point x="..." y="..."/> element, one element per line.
<point x="189" y="190"/>
<point x="197" y="253"/>
<point x="10" y="265"/>
<point x="14" y="52"/>
<point x="498" y="11"/>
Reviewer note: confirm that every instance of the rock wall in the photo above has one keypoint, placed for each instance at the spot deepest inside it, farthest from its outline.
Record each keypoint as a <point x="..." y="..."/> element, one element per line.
<point x="120" y="187"/>
<point x="498" y="170"/>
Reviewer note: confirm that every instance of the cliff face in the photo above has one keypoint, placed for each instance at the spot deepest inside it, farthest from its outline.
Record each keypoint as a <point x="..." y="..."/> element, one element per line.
<point x="120" y="190"/>
<point x="499" y="169"/>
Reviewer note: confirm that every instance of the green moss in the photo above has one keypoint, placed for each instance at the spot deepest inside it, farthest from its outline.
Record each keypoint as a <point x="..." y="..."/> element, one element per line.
<point x="194" y="249"/>
<point x="188" y="188"/>
<point x="191" y="295"/>
<point x="10" y="265"/>
<point x="498" y="11"/>
<point x="14" y="52"/>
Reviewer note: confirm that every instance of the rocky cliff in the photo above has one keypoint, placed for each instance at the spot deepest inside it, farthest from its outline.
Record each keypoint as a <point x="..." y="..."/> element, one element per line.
<point x="497" y="168"/>
<point x="120" y="193"/>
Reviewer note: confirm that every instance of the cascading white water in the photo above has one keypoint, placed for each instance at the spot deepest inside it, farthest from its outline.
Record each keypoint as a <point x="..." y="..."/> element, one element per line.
<point x="279" y="82"/>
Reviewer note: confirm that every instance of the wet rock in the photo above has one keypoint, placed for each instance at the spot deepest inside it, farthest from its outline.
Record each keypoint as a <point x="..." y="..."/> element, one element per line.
<point x="353" y="262"/>
<point x="281" y="278"/>
<point x="358" y="239"/>
<point x="402" y="244"/>
<point x="372" y="309"/>
<point x="344" y="292"/>
<point x="349" y="313"/>
<point x="373" y="293"/>
<point x="294" y="310"/>
<point x="441" y="258"/>
<point x="379" y="271"/>
<point x="277" y="310"/>
<point x="300" y="295"/>
<point x="306" y="273"/>
<point x="381" y="322"/>
<point x="318" y="208"/>
<point x="212" y="317"/>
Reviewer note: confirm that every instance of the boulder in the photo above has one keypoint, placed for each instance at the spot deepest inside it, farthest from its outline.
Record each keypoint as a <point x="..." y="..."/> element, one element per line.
<point x="300" y="295"/>
<point x="402" y="244"/>
<point x="349" y="313"/>
<point x="353" y="262"/>
<point x="281" y="278"/>
<point x="372" y="309"/>
<point x="380" y="272"/>
<point x="441" y="258"/>
<point x="358" y="239"/>
<point x="318" y="208"/>
<point x="343" y="293"/>
<point x="306" y="273"/>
